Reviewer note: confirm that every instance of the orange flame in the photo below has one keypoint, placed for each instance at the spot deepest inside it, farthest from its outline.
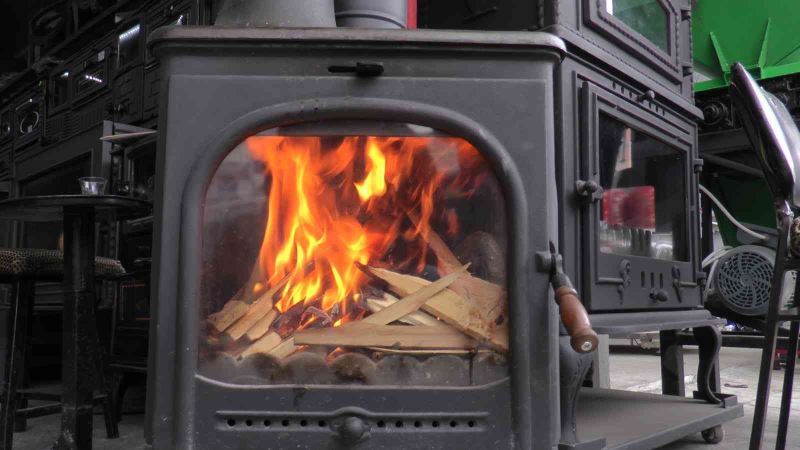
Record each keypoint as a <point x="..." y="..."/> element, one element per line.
<point x="335" y="203"/>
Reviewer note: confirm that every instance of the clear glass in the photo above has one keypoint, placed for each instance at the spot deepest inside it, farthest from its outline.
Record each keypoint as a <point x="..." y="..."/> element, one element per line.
<point x="313" y="234"/>
<point x="128" y="45"/>
<point x="6" y="127"/>
<point x="89" y="79"/>
<point x="643" y="209"/>
<point x="60" y="89"/>
<point x="28" y="115"/>
<point x="646" y="17"/>
<point x="92" y="185"/>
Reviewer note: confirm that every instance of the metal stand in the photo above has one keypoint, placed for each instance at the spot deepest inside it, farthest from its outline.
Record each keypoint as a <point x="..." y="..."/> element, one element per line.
<point x="783" y="262"/>
<point x="76" y="416"/>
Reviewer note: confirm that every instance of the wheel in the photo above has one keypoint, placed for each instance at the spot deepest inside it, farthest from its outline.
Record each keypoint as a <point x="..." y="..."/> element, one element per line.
<point x="713" y="435"/>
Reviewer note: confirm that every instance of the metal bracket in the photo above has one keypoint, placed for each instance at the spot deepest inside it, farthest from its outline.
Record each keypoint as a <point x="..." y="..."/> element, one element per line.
<point x="676" y="283"/>
<point x="544" y="261"/>
<point x="701" y="278"/>
<point x="698" y="165"/>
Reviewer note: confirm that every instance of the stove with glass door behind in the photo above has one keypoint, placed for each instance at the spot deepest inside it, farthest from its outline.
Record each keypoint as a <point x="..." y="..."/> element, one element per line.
<point x="349" y="240"/>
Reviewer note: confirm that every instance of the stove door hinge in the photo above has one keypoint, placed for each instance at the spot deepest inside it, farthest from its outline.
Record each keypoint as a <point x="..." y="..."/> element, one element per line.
<point x="589" y="190"/>
<point x="698" y="165"/>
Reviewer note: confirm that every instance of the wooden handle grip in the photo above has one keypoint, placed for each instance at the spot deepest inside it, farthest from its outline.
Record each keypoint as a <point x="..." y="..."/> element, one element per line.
<point x="576" y="320"/>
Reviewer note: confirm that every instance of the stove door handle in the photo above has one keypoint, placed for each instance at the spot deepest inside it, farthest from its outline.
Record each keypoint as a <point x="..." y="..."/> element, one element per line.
<point x="583" y="338"/>
<point x="359" y="69"/>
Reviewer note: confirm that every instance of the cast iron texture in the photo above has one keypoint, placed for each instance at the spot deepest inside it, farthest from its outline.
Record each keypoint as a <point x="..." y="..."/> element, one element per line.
<point x="222" y="85"/>
<point x="609" y="282"/>
<point x="592" y="33"/>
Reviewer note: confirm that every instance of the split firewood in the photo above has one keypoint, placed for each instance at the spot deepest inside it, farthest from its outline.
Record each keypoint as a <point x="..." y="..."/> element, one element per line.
<point x="452" y="308"/>
<point x="412" y="301"/>
<point x="262" y="326"/>
<point x="284" y="349"/>
<point x="376" y="304"/>
<point x="230" y="313"/>
<point x="360" y="334"/>
<point x="289" y="320"/>
<point x="264" y="345"/>
<point x="485" y="255"/>
<point x="487" y="296"/>
<point x="257" y="311"/>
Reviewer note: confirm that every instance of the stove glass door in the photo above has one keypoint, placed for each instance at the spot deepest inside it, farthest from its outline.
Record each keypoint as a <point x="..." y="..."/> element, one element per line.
<point x="332" y="255"/>
<point x="643" y="208"/>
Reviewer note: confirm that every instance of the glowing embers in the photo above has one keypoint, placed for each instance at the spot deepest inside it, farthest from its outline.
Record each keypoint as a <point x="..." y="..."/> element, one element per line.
<point x="370" y="245"/>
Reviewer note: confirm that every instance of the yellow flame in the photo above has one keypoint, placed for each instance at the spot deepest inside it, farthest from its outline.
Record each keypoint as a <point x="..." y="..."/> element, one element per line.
<point x="374" y="184"/>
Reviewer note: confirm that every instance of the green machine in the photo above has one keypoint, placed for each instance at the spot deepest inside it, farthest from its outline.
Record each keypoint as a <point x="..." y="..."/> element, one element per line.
<point x="763" y="36"/>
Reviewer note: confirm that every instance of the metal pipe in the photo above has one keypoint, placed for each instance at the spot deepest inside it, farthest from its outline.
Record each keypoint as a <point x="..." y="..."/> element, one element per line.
<point x="276" y="13"/>
<point x="371" y="14"/>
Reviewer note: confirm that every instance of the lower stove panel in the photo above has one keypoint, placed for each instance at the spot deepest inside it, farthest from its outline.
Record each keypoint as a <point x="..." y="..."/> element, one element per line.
<point x="312" y="417"/>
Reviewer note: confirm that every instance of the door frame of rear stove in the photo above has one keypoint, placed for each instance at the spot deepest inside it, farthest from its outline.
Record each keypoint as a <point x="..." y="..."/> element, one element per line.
<point x="520" y="258"/>
<point x="605" y="288"/>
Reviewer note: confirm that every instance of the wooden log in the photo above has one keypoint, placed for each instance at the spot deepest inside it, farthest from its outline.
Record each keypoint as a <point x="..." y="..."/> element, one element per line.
<point x="412" y="301"/>
<point x="230" y="313"/>
<point x="284" y="349"/>
<point x="451" y="308"/>
<point x="257" y="311"/>
<point x="376" y="304"/>
<point x="360" y="334"/>
<point x="486" y="256"/>
<point x="262" y="326"/>
<point x="264" y="345"/>
<point x="488" y="297"/>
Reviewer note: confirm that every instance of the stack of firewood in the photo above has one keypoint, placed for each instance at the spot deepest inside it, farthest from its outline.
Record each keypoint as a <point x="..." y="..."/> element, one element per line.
<point x="457" y="312"/>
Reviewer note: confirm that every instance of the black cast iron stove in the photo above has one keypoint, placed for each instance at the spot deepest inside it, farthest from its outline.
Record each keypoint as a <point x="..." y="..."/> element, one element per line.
<point x="323" y="193"/>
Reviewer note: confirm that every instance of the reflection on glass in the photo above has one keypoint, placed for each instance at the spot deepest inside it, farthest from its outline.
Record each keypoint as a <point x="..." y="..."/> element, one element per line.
<point x="643" y="209"/>
<point x="308" y="234"/>
<point x="647" y="17"/>
<point x="60" y="88"/>
<point x="86" y="81"/>
<point x="28" y="116"/>
<point x="5" y="124"/>
<point x="128" y="45"/>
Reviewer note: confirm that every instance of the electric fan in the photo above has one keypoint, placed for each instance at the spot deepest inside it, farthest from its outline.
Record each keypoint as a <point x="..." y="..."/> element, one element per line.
<point x="741" y="280"/>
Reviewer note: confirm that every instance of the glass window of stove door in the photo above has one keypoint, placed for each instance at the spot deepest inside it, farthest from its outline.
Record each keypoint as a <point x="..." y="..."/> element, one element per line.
<point x="646" y="17"/>
<point x="129" y="44"/>
<point x="316" y="238"/>
<point x="643" y="207"/>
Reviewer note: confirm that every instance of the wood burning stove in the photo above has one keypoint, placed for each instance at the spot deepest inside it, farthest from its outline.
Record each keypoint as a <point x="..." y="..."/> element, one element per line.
<point x="308" y="186"/>
<point x="321" y="195"/>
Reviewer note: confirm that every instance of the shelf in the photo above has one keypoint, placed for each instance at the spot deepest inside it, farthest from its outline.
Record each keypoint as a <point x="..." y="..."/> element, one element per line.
<point x="635" y="420"/>
<point x="657" y="320"/>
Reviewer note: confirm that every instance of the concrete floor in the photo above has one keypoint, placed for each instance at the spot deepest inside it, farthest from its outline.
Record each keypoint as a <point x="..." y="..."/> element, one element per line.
<point x="739" y="376"/>
<point x="629" y="371"/>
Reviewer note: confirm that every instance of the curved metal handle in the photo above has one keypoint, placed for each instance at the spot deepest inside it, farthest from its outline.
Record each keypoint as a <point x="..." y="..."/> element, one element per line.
<point x="575" y="319"/>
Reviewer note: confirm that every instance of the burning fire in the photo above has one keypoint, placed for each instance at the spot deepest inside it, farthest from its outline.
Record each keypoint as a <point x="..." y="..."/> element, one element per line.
<point x="337" y="203"/>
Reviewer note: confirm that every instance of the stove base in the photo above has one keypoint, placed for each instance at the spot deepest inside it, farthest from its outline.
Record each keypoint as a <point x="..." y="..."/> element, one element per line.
<point x="650" y="420"/>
